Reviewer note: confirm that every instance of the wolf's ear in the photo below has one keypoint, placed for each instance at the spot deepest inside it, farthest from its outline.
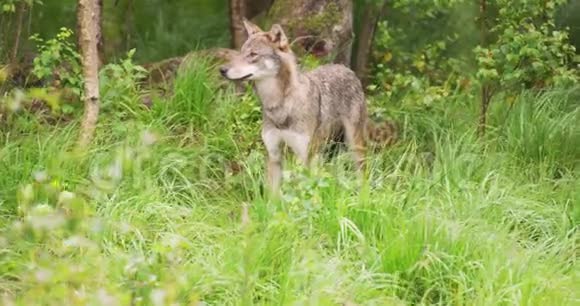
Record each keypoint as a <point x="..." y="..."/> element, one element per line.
<point x="278" y="37"/>
<point x="251" y="28"/>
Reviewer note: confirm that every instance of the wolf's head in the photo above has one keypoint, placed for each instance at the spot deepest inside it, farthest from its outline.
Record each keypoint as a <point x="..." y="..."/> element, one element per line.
<point x="261" y="56"/>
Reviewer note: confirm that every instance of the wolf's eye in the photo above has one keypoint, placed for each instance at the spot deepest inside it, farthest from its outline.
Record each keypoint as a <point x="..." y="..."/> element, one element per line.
<point x="253" y="57"/>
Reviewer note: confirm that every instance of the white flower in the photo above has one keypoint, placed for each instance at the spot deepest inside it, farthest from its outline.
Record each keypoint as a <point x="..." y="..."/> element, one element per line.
<point x="40" y="176"/>
<point x="43" y="275"/>
<point x="158" y="297"/>
<point x="148" y="138"/>
<point x="65" y="196"/>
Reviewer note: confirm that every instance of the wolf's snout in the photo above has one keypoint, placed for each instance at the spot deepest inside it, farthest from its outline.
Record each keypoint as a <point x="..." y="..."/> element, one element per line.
<point x="223" y="71"/>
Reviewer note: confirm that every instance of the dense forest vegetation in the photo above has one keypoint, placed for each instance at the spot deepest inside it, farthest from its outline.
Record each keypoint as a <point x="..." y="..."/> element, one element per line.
<point x="132" y="173"/>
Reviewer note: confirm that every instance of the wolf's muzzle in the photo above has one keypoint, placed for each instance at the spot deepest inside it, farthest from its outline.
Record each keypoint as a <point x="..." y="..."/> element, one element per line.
<point x="224" y="73"/>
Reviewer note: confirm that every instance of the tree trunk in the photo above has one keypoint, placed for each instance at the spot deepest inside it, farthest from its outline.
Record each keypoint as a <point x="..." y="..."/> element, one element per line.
<point x="485" y="88"/>
<point x="320" y="27"/>
<point x="88" y="23"/>
<point x="237" y="14"/>
<point x="128" y="24"/>
<point x="18" y="33"/>
<point x="101" y="39"/>
<point x="371" y="17"/>
<point x="485" y="99"/>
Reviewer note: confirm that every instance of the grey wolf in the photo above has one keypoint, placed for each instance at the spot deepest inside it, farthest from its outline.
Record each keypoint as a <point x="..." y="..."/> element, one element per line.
<point x="303" y="110"/>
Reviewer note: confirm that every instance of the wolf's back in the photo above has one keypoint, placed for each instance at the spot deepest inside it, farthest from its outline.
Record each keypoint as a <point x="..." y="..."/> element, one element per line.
<point x="339" y="83"/>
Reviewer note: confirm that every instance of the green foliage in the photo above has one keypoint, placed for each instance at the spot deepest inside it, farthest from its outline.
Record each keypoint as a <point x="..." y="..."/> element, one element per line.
<point x="58" y="62"/>
<point x="192" y="101"/>
<point x="120" y="88"/>
<point x="522" y="48"/>
<point x="309" y="62"/>
<point x="120" y="83"/>
<point x="9" y="6"/>
<point x="411" y="59"/>
<point x="527" y="51"/>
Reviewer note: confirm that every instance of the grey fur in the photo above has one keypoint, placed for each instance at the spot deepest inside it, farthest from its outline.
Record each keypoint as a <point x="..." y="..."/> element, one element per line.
<point x="301" y="110"/>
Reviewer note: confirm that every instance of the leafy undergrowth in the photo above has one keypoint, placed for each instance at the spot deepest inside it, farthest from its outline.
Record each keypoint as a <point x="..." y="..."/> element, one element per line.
<point x="167" y="209"/>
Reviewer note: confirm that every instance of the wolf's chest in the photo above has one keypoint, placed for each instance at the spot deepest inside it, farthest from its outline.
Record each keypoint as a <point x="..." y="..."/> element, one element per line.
<point x="280" y="116"/>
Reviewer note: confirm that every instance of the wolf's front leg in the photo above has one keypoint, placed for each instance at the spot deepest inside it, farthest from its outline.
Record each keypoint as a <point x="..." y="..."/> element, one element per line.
<point x="272" y="141"/>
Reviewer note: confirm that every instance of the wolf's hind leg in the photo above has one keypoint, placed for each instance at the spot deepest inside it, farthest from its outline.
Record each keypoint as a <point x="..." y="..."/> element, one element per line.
<point x="354" y="134"/>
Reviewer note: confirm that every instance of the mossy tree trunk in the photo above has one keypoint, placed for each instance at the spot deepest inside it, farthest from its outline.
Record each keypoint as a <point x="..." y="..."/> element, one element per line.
<point x="323" y="28"/>
<point x="255" y="8"/>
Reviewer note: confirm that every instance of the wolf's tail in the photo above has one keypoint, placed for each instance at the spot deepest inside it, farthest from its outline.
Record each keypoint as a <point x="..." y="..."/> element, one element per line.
<point x="384" y="133"/>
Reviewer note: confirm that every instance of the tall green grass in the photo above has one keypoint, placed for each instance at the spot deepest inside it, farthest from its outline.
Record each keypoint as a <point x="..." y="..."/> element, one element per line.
<point x="154" y="214"/>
